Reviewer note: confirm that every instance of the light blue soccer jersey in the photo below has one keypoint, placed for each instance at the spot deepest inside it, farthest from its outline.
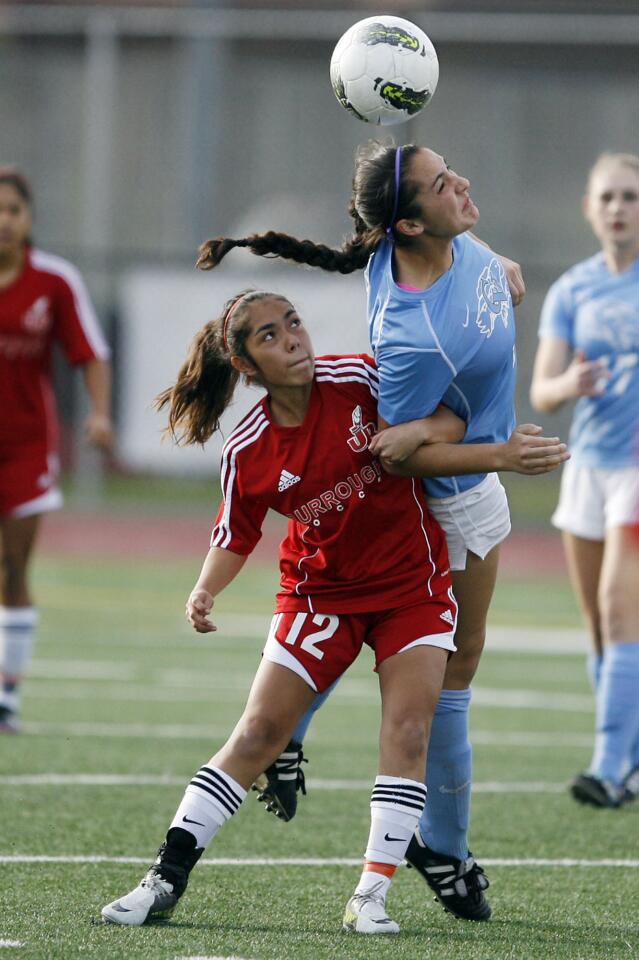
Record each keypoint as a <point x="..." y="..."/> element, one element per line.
<point x="452" y="343"/>
<point x="597" y="311"/>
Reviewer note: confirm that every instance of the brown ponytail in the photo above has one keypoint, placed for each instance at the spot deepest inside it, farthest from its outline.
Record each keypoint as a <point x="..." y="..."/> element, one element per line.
<point x="371" y="208"/>
<point x="207" y="379"/>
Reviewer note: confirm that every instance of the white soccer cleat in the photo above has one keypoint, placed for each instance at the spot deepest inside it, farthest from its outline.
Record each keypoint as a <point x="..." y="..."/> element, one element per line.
<point x="153" y="898"/>
<point x="366" y="913"/>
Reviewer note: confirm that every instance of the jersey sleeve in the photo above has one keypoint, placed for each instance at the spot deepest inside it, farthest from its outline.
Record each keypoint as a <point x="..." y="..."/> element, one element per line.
<point x="557" y="313"/>
<point x="76" y="325"/>
<point x="238" y="525"/>
<point x="411" y="384"/>
<point x="372" y="376"/>
<point x="367" y="367"/>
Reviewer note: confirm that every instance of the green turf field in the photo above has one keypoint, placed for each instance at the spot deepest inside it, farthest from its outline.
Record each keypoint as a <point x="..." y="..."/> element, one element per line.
<point x="124" y="703"/>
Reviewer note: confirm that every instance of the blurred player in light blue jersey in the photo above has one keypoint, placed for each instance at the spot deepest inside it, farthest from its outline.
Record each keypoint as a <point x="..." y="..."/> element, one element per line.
<point x="589" y="352"/>
<point x="442" y="330"/>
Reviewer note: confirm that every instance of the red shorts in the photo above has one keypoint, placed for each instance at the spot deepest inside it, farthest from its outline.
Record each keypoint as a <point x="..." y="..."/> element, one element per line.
<point x="28" y="482"/>
<point x="320" y="647"/>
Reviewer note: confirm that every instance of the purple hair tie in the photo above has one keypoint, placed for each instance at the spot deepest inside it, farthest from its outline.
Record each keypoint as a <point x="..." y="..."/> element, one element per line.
<point x="398" y="163"/>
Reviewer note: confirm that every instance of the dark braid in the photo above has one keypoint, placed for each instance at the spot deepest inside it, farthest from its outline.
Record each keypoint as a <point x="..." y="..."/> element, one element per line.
<point x="371" y="208"/>
<point x="353" y="255"/>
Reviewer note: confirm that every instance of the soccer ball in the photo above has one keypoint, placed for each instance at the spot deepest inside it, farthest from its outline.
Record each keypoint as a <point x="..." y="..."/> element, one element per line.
<point x="384" y="70"/>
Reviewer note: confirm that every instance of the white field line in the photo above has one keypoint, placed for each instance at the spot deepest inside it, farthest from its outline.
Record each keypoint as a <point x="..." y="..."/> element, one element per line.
<point x="184" y="731"/>
<point x="551" y="641"/>
<point x="155" y="780"/>
<point x="136" y="693"/>
<point x="11" y="943"/>
<point x="125" y="671"/>
<point x="547" y="641"/>
<point x="252" y="629"/>
<point x="350" y="695"/>
<point x="494" y="738"/>
<point x="154" y="731"/>
<point x="81" y="669"/>
<point x="533" y="700"/>
<point x="315" y="861"/>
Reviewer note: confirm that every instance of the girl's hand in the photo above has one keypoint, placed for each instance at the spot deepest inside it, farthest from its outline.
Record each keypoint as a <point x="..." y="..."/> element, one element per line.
<point x="394" y="444"/>
<point x="585" y="378"/>
<point x="198" y="607"/>
<point x="526" y="452"/>
<point x="99" y="431"/>
<point x="515" y="280"/>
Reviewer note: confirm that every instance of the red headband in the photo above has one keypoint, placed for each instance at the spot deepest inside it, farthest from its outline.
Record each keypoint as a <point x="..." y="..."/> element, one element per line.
<point x="229" y="313"/>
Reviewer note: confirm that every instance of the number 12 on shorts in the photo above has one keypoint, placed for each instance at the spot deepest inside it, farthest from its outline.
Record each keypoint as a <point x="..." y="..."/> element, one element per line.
<point x="327" y="624"/>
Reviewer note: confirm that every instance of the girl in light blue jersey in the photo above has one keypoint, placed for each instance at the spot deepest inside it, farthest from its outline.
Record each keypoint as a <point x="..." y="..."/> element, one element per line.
<point x="442" y="330"/>
<point x="589" y="352"/>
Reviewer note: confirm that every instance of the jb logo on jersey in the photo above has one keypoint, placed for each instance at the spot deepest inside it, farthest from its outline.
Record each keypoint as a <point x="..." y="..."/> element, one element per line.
<point x="360" y="432"/>
<point x="493" y="298"/>
<point x="37" y="318"/>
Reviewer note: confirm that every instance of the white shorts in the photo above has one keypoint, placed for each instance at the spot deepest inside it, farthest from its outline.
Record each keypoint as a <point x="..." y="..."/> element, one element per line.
<point x="475" y="520"/>
<point x="594" y="499"/>
<point x="51" y="500"/>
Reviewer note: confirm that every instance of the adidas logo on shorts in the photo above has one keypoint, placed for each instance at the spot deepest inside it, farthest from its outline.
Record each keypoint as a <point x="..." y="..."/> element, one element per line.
<point x="287" y="480"/>
<point x="447" y="616"/>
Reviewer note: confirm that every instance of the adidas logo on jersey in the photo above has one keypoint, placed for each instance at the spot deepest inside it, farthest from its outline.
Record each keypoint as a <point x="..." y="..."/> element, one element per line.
<point x="448" y="617"/>
<point x="287" y="480"/>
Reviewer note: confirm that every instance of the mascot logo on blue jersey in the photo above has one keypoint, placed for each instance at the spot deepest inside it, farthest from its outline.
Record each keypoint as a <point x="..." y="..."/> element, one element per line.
<point x="610" y="328"/>
<point x="610" y="325"/>
<point x="493" y="298"/>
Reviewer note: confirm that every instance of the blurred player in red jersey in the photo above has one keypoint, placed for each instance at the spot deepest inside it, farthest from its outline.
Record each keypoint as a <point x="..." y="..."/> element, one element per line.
<point x="43" y="300"/>
<point x="363" y="562"/>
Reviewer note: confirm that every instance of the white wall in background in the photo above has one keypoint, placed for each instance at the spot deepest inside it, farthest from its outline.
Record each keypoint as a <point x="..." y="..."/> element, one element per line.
<point x="162" y="310"/>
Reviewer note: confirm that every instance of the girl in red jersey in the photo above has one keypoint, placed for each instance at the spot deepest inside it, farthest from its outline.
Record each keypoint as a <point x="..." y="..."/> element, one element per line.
<point x="42" y="300"/>
<point x="363" y="562"/>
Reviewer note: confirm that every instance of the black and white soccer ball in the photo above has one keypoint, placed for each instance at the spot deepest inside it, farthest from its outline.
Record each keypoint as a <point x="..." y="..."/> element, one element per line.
<point x="384" y="70"/>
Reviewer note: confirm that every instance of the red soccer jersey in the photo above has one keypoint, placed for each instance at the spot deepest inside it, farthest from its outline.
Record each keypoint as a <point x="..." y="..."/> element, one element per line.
<point x="358" y="539"/>
<point x="48" y="302"/>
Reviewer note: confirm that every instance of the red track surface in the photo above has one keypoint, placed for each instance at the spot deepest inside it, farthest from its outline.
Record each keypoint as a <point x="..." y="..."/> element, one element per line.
<point x="531" y="552"/>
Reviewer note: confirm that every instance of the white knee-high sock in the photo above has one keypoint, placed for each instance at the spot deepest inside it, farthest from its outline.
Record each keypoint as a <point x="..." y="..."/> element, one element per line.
<point x="17" y="628"/>
<point x="396" y="806"/>
<point x="211" y="798"/>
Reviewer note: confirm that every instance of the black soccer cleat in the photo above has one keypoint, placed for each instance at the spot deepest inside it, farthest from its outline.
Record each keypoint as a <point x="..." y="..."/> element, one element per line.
<point x="630" y="786"/>
<point x="586" y="788"/>
<point x="277" y="787"/>
<point x="458" y="884"/>
<point x="8" y="720"/>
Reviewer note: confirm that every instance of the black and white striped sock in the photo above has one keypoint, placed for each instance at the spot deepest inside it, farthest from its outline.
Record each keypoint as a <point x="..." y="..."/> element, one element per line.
<point x="211" y="798"/>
